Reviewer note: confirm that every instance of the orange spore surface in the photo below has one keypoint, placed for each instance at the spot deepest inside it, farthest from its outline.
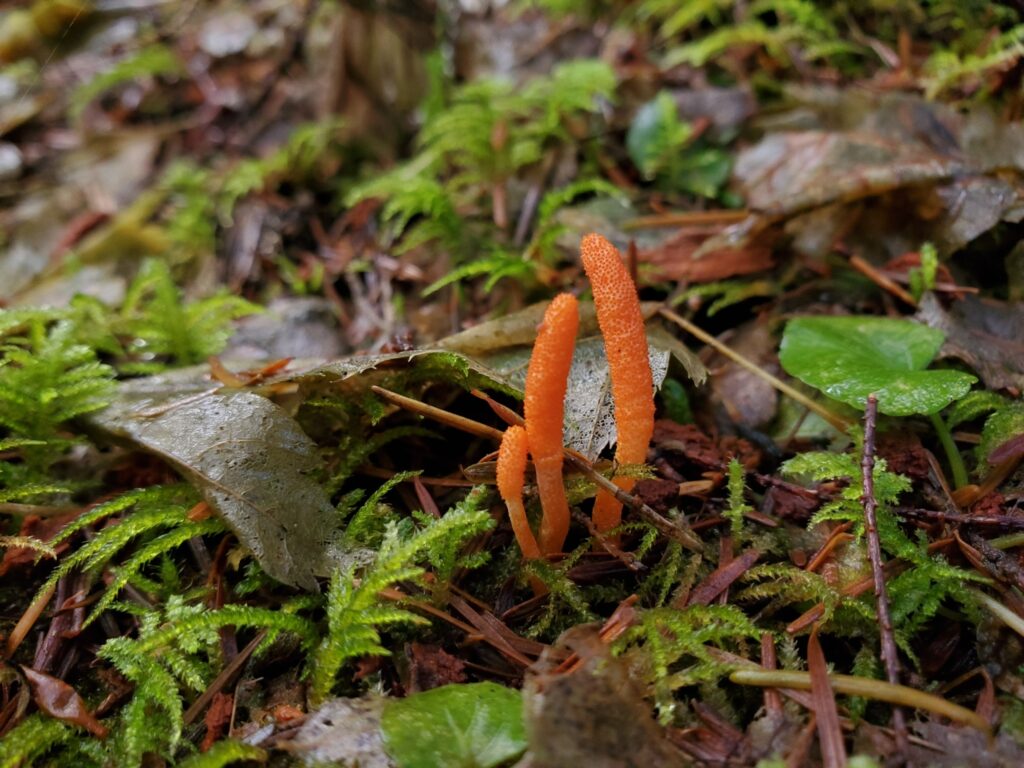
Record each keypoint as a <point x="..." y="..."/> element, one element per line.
<point x="511" y="473"/>
<point x="625" y="341"/>
<point x="544" y="407"/>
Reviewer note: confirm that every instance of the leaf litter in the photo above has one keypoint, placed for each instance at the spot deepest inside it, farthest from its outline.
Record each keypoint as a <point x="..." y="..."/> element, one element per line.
<point x="798" y="199"/>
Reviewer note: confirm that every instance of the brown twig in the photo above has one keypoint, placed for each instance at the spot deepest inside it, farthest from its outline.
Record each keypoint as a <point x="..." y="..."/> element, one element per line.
<point x="826" y="714"/>
<point x="680" y="219"/>
<point x="1002" y="522"/>
<point x="676" y="530"/>
<point x="889" y="653"/>
<point x="626" y="558"/>
<point x="224" y="678"/>
<point x="769" y="660"/>
<point x="881" y="280"/>
<point x="837" y="421"/>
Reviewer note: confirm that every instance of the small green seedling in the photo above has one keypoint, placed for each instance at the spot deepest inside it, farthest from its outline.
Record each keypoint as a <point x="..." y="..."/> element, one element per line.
<point x="848" y="358"/>
<point x="479" y="725"/>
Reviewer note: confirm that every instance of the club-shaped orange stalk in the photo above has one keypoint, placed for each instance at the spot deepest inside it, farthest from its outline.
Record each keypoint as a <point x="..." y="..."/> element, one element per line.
<point x="625" y="342"/>
<point x="511" y="471"/>
<point x="544" y="407"/>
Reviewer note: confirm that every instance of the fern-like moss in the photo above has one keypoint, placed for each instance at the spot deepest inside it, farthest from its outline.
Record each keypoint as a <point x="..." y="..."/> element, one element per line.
<point x="224" y="753"/>
<point x="355" y="611"/>
<point x="161" y="324"/>
<point x="32" y="739"/>
<point x="47" y="378"/>
<point x="151" y="551"/>
<point x="673" y="645"/>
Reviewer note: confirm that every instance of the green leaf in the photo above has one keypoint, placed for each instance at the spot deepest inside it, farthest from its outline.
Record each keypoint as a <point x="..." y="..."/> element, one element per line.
<point x="848" y="358"/>
<point x="457" y="726"/>
<point x="1004" y="424"/>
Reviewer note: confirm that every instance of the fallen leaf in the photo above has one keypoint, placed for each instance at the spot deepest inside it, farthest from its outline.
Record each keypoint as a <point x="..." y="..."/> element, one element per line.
<point x="786" y="173"/>
<point x="343" y="732"/>
<point x="682" y="257"/>
<point x="747" y="397"/>
<point x="58" y="699"/>
<point x="984" y="333"/>
<point x="877" y="174"/>
<point x="250" y="460"/>
<point x="595" y="716"/>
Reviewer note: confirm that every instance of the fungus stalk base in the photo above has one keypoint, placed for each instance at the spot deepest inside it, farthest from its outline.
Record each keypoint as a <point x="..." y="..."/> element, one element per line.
<point x="521" y="529"/>
<point x="607" y="509"/>
<point x="554" y="526"/>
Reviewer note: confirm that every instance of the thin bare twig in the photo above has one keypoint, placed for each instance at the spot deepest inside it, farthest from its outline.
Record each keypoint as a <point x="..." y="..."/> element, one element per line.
<point x="677" y="530"/>
<point x="889" y="654"/>
<point x="882" y="280"/>
<point x="1001" y="522"/>
<point x="834" y="419"/>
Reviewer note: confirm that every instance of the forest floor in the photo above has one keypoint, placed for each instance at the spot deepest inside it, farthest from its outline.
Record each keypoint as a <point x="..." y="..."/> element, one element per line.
<point x="273" y="275"/>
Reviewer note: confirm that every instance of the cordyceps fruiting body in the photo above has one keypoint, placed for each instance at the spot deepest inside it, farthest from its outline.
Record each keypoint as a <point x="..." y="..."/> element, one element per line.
<point x="544" y="407"/>
<point x="625" y="341"/>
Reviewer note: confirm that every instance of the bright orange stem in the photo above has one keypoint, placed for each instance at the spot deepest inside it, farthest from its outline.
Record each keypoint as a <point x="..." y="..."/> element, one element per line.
<point x="544" y="406"/>
<point x="511" y="473"/>
<point x="625" y="341"/>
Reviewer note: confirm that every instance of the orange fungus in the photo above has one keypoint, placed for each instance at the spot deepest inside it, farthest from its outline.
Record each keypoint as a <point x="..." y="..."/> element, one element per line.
<point x="544" y="407"/>
<point x="625" y="340"/>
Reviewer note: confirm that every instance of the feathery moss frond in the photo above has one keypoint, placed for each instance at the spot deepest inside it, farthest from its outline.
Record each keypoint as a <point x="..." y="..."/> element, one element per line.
<point x="152" y="550"/>
<point x="32" y="738"/>
<point x="224" y="753"/>
<point x="160" y="323"/>
<point x="47" y="378"/>
<point x="672" y="644"/>
<point x="355" y="611"/>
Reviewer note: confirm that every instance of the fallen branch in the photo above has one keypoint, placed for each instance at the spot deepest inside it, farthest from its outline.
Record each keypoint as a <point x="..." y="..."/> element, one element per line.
<point x="890" y="655"/>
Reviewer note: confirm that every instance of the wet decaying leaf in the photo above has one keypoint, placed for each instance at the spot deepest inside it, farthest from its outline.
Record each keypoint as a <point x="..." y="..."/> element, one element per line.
<point x="58" y="699"/>
<point x="251" y="461"/>
<point x="881" y="174"/>
<point x="984" y="333"/>
<point x="343" y="732"/>
<point x="748" y="398"/>
<point x="595" y="716"/>
<point x="791" y="172"/>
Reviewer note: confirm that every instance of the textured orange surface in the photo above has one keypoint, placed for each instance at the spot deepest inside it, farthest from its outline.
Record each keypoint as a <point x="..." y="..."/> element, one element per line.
<point x="511" y="472"/>
<point x="544" y="407"/>
<point x="625" y="341"/>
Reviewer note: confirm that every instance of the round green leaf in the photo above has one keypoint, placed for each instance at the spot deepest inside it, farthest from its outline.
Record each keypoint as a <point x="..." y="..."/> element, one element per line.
<point x="457" y="726"/>
<point x="848" y="358"/>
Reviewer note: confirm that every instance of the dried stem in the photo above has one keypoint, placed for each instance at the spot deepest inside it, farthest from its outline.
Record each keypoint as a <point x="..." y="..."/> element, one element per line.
<point x="889" y="653"/>
<point x="677" y="530"/>
<point x="868" y="688"/>
<point x="835" y="420"/>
